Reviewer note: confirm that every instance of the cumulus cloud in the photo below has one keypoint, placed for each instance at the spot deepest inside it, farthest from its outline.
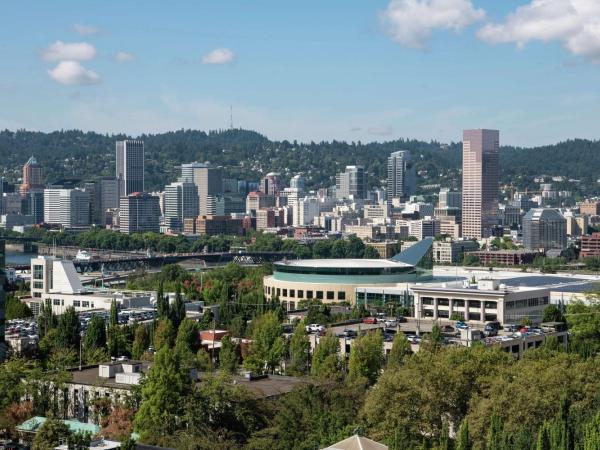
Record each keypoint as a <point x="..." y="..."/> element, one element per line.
<point x="218" y="56"/>
<point x="124" y="57"/>
<point x="573" y="23"/>
<point x="76" y="51"/>
<point x="72" y="73"/>
<point x="85" y="30"/>
<point x="412" y="22"/>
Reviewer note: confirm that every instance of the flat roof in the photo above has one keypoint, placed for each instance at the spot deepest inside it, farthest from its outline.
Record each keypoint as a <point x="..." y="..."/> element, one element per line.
<point x="346" y="263"/>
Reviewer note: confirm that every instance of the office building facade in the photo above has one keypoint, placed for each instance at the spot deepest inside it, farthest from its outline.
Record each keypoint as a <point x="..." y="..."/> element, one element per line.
<point x="69" y="208"/>
<point x="139" y="212"/>
<point x="32" y="176"/>
<point x="480" y="189"/>
<point x="130" y="167"/>
<point x="352" y="183"/>
<point x="400" y="175"/>
<point x="544" y="229"/>
<point x="208" y="180"/>
<point x="181" y="202"/>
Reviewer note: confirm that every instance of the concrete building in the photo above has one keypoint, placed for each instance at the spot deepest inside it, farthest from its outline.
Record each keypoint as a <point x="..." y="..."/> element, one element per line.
<point x="510" y="216"/>
<point x="480" y="174"/>
<point x="488" y="301"/>
<point x="130" y="167"/>
<point x="452" y="251"/>
<point x="33" y="205"/>
<point x="577" y="225"/>
<point x="590" y="246"/>
<point x="423" y="228"/>
<point x="181" y="202"/>
<point x="298" y="182"/>
<point x="379" y="212"/>
<point x="215" y="225"/>
<point x="208" y="180"/>
<point x="352" y="183"/>
<point x="400" y="175"/>
<point x="270" y="218"/>
<point x="504" y="257"/>
<point x="305" y="211"/>
<point x="544" y="229"/>
<point x="55" y="281"/>
<point x="449" y="199"/>
<point x="258" y="200"/>
<point x="590" y="207"/>
<point x="139" y="212"/>
<point x="32" y="176"/>
<point x="69" y="208"/>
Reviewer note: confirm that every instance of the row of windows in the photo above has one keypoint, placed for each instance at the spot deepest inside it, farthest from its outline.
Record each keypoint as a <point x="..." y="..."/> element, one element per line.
<point x="76" y="303"/>
<point x="528" y="303"/>
<point x="293" y="293"/>
<point x="459" y="303"/>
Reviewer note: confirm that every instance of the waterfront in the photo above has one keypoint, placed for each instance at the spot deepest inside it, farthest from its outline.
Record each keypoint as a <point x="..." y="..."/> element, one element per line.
<point x="18" y="258"/>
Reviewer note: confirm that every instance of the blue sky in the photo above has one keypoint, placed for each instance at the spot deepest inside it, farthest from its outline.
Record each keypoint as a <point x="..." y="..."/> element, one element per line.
<point x="310" y="70"/>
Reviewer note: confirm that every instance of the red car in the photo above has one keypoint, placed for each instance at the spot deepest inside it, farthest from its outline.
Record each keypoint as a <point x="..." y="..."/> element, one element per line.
<point x="370" y="320"/>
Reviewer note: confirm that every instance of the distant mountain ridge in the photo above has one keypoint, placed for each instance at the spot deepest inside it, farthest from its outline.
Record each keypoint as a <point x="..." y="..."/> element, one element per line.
<point x="248" y="154"/>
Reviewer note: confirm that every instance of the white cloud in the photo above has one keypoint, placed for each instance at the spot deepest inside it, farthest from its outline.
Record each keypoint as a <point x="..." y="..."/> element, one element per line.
<point x="72" y="73"/>
<point x="218" y="56"/>
<point x="85" y="30"/>
<point x="124" y="57"/>
<point x="76" y="51"/>
<point x="573" y="23"/>
<point x="412" y="22"/>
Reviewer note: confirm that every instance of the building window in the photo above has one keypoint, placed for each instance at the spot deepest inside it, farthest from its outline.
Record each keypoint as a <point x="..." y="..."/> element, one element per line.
<point x="285" y="292"/>
<point x="38" y="285"/>
<point x="319" y="295"/>
<point x="459" y="303"/>
<point x="37" y="294"/>
<point x="309" y="295"/>
<point x="443" y="302"/>
<point x="474" y="304"/>
<point x="76" y="303"/>
<point x="278" y="292"/>
<point x="427" y="301"/>
<point x="300" y="293"/>
<point x="292" y="293"/>
<point x="490" y="305"/>
<point x="341" y="295"/>
<point x="38" y="272"/>
<point x="330" y="295"/>
<point x="85" y="304"/>
<point x="56" y="302"/>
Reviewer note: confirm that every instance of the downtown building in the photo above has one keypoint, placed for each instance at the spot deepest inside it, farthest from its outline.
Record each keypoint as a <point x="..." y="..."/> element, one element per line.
<point x="32" y="176"/>
<point x="544" y="229"/>
<point x="481" y="171"/>
<point x="180" y="203"/>
<point x="130" y="167"/>
<point x="352" y="183"/>
<point x="69" y="208"/>
<point x="139" y="212"/>
<point x="208" y="180"/>
<point x="400" y="175"/>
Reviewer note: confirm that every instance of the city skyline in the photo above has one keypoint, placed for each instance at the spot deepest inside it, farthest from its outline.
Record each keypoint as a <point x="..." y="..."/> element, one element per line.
<point x="105" y="75"/>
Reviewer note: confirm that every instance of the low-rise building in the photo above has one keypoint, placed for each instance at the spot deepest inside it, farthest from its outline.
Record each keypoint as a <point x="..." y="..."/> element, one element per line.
<point x="487" y="301"/>
<point x="451" y="252"/>
<point x="215" y="225"/>
<point x="504" y="257"/>
<point x="590" y="246"/>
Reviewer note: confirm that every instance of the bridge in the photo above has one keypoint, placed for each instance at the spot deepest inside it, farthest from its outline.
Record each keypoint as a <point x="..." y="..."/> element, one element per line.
<point x="134" y="261"/>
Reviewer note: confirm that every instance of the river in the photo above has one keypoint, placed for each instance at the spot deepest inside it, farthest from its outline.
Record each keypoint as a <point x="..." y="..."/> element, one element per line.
<point x="19" y="258"/>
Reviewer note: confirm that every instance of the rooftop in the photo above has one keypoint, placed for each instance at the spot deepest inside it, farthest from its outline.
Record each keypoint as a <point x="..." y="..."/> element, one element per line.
<point x="350" y="263"/>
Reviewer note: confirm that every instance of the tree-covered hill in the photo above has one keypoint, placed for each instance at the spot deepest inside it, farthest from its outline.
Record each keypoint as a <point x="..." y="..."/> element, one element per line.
<point x="247" y="154"/>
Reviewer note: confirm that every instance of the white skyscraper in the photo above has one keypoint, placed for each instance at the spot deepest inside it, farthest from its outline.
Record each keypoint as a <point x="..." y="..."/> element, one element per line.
<point x="400" y="179"/>
<point x="67" y="207"/>
<point x="181" y="202"/>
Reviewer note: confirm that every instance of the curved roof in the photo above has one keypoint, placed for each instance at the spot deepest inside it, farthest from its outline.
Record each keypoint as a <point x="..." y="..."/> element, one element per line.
<point x="342" y="263"/>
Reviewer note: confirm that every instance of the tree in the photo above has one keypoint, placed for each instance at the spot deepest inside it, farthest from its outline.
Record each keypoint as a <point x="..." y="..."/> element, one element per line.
<point x="267" y="346"/>
<point x="553" y="313"/>
<point x="50" y="435"/>
<point x="228" y="357"/>
<point x="366" y="357"/>
<point x="299" y="352"/>
<point x="79" y="441"/>
<point x="326" y="361"/>
<point x="117" y="424"/>
<point x="68" y="329"/>
<point x="164" y="334"/>
<point x="141" y="341"/>
<point x="163" y="393"/>
<point x="117" y="342"/>
<point x="433" y="341"/>
<point x="178" y="310"/>
<point x="591" y="430"/>
<point x="95" y="336"/>
<point x="16" y="309"/>
<point x="401" y="349"/>
<point x="463" y="440"/>
<point x="188" y="338"/>
<point x="46" y="318"/>
<point x="113" y="317"/>
<point x="495" y="433"/>
<point x="162" y="302"/>
<point x="128" y="444"/>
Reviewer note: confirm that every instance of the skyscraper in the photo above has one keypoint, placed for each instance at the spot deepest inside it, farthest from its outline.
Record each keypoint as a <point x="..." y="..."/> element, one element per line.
<point x="271" y="184"/>
<point x="351" y="183"/>
<point x="139" y="212"/>
<point x="69" y="208"/>
<point x="400" y="177"/>
<point x="130" y="167"/>
<point x="481" y="169"/>
<point x="544" y="229"/>
<point x="32" y="176"/>
<point x="208" y="180"/>
<point x="181" y="202"/>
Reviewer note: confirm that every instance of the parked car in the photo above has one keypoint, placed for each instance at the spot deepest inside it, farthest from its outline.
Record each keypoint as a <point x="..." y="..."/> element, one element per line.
<point x="461" y="325"/>
<point x="448" y="329"/>
<point x="370" y="320"/>
<point x="391" y="323"/>
<point x="491" y="329"/>
<point x="314" y="328"/>
<point x="511" y="327"/>
<point x="348" y="334"/>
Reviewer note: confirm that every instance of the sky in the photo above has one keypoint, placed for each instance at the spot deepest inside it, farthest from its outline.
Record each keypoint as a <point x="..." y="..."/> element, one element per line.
<point x="368" y="70"/>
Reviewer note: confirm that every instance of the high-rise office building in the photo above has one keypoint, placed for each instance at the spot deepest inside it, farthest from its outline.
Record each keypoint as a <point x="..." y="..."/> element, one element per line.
<point x="208" y="180"/>
<point x="103" y="196"/>
<point x="271" y="184"/>
<point x="544" y="229"/>
<point x="181" y="202"/>
<point x="34" y="205"/>
<point x="352" y="183"/>
<point x="32" y="176"/>
<point x="481" y="169"/>
<point x="130" y="166"/>
<point x="69" y="208"/>
<point x="298" y="182"/>
<point x="400" y="175"/>
<point x="139" y="212"/>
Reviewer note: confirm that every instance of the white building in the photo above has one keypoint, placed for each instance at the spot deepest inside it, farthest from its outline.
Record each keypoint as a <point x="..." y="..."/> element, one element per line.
<point x="57" y="281"/>
<point x="305" y="211"/>
<point x="69" y="208"/>
<point x="181" y="202"/>
<point x="139" y="212"/>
